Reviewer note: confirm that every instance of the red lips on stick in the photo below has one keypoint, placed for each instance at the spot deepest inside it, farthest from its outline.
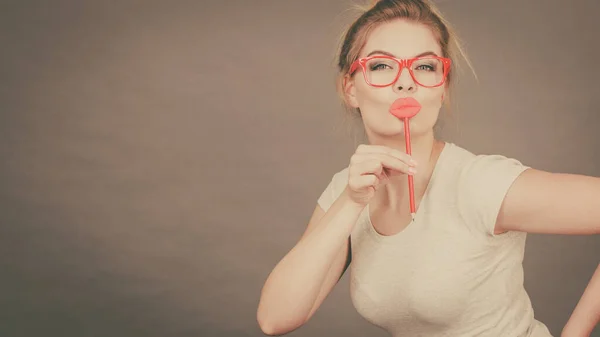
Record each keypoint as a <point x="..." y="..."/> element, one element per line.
<point x="406" y="108"/>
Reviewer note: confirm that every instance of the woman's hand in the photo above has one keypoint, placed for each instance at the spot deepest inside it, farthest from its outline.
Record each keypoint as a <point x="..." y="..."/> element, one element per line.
<point x="370" y="168"/>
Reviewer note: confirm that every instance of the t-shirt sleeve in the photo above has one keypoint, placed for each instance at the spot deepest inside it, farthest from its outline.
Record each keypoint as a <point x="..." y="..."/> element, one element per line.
<point x="483" y="183"/>
<point x="334" y="189"/>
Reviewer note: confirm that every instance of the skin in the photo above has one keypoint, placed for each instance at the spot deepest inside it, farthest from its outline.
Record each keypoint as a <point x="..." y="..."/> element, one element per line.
<point x="532" y="205"/>
<point x="587" y="312"/>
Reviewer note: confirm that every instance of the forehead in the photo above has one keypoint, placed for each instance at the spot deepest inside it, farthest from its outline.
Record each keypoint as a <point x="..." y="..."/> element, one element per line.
<point x="402" y="38"/>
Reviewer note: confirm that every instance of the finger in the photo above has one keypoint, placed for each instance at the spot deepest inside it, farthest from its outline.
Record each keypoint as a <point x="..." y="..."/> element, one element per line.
<point x="376" y="163"/>
<point x="363" y="181"/>
<point x="372" y="166"/>
<point x="369" y="156"/>
<point x="366" y="168"/>
<point x="374" y="170"/>
<point x="381" y="149"/>
<point x="395" y="164"/>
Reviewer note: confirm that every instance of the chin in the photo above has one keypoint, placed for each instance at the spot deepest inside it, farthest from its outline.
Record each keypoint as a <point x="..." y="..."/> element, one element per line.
<point x="388" y="131"/>
<point x="396" y="131"/>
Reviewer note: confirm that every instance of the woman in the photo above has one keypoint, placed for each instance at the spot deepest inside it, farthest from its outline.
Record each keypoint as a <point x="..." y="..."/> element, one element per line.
<point x="456" y="268"/>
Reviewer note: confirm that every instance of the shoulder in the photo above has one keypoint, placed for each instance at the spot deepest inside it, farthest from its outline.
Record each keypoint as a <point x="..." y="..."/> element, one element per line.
<point x="491" y="169"/>
<point x="472" y="166"/>
<point x="483" y="181"/>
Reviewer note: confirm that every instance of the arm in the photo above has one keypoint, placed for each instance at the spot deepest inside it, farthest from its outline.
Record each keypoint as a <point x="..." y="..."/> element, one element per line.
<point x="551" y="203"/>
<point x="304" y="277"/>
<point x="587" y="312"/>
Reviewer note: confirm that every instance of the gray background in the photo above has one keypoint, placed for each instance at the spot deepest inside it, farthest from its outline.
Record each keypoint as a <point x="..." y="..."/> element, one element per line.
<point x="158" y="158"/>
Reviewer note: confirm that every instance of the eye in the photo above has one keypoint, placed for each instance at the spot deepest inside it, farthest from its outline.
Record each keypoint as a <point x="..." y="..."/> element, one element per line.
<point x="425" y="67"/>
<point x="427" y="64"/>
<point x="379" y="66"/>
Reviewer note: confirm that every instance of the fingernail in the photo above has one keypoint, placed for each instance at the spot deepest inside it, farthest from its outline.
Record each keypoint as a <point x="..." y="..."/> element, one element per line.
<point x="413" y="162"/>
<point x="412" y="170"/>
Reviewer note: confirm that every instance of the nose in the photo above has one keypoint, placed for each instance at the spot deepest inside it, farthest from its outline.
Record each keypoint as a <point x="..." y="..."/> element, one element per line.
<point x="405" y="81"/>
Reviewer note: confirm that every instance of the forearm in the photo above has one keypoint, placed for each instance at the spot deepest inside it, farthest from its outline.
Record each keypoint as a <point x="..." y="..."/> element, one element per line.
<point x="294" y="284"/>
<point x="587" y="312"/>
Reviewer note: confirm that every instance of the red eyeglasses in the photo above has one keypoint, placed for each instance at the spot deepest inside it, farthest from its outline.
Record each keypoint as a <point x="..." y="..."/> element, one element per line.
<point x="382" y="71"/>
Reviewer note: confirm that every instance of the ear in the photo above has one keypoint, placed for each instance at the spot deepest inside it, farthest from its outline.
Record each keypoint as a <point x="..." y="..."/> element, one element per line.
<point x="350" y="92"/>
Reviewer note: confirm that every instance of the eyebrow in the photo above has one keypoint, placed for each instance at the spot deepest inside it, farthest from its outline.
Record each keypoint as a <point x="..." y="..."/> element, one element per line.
<point x="427" y="53"/>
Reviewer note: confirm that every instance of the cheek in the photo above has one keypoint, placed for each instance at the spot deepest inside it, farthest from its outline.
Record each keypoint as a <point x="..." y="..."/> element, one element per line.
<point x="433" y="101"/>
<point x="364" y="91"/>
<point x="434" y="96"/>
<point x="372" y="98"/>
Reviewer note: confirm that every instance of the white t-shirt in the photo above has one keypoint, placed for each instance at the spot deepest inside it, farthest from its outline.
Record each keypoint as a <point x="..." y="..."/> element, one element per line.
<point x="447" y="273"/>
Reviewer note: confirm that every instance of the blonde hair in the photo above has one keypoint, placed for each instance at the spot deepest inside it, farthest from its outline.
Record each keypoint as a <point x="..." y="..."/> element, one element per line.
<point x="378" y="12"/>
